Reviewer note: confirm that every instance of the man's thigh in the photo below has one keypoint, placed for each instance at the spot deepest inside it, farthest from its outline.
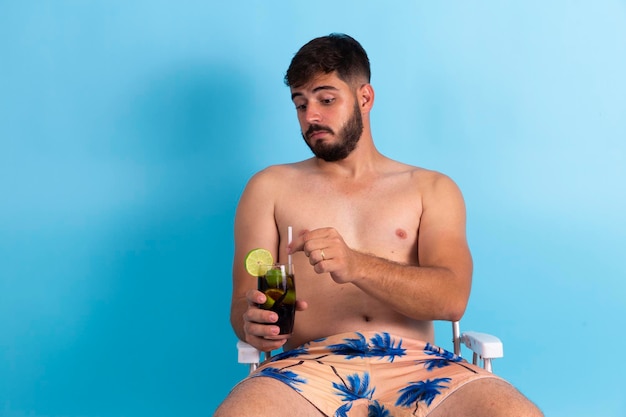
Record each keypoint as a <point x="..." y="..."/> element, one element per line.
<point x="265" y="397"/>
<point x="486" y="397"/>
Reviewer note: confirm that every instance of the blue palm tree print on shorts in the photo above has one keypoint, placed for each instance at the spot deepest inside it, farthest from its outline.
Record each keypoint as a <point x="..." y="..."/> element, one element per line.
<point x="293" y="353"/>
<point x="421" y="391"/>
<point x="440" y="358"/>
<point x="376" y="409"/>
<point x="380" y="345"/>
<point x="284" y="375"/>
<point x="357" y="387"/>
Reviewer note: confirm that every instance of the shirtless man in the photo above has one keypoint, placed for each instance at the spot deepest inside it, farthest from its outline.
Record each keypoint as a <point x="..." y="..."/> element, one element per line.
<point x="379" y="248"/>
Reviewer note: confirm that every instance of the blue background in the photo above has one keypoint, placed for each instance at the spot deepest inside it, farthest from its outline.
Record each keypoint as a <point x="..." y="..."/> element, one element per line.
<point x="128" y="130"/>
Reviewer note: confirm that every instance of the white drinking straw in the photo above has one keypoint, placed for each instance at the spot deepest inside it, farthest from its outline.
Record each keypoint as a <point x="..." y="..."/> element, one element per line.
<point x="289" y="237"/>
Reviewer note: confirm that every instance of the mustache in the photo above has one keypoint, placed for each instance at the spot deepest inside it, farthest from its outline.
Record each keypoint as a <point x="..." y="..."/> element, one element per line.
<point x="317" y="128"/>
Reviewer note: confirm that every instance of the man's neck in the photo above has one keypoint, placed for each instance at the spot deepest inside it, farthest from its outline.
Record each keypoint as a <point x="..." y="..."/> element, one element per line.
<point x="362" y="161"/>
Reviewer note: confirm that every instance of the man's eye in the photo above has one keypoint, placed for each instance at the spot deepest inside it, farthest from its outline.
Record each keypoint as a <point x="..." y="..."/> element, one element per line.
<point x="327" y="100"/>
<point x="300" y="107"/>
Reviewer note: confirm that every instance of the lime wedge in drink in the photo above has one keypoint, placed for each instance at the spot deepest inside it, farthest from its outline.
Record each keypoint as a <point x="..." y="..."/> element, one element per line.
<point x="290" y="297"/>
<point x="258" y="261"/>
<point x="272" y="295"/>
<point x="273" y="277"/>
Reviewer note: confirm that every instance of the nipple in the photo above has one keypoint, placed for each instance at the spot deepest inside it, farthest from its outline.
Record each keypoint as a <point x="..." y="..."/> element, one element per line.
<point x="401" y="233"/>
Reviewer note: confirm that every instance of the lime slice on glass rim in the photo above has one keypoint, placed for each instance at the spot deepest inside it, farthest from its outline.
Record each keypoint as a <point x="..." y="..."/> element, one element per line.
<point x="258" y="261"/>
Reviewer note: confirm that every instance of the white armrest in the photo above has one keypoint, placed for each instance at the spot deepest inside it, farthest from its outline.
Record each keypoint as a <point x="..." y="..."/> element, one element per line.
<point x="247" y="353"/>
<point x="483" y="344"/>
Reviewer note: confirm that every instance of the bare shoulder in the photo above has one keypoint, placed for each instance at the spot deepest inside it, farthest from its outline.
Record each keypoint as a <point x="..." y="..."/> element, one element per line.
<point x="436" y="182"/>
<point x="276" y="172"/>
<point x="275" y="175"/>
<point x="440" y="196"/>
<point x="426" y="180"/>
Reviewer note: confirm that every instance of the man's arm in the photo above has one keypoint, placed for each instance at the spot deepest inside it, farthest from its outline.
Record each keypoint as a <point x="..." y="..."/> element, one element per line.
<point x="255" y="227"/>
<point x="436" y="289"/>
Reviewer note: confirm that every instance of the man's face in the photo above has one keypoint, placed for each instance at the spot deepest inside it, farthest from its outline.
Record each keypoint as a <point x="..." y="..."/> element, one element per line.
<point x="329" y="116"/>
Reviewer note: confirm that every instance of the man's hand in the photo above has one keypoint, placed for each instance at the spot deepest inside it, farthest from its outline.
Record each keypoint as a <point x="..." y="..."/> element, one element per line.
<point x="328" y="253"/>
<point x="258" y="324"/>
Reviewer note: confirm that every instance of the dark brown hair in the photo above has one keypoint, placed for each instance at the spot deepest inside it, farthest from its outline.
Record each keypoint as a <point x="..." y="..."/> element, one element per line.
<point x="335" y="52"/>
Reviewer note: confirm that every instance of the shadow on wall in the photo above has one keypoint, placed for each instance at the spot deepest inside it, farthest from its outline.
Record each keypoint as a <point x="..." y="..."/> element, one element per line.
<point x="150" y="311"/>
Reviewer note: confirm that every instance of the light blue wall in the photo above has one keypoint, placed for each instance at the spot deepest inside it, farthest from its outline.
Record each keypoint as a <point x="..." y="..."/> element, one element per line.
<point x="129" y="128"/>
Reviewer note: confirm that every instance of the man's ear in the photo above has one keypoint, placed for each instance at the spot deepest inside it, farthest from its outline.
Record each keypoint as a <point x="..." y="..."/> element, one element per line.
<point x="365" y="95"/>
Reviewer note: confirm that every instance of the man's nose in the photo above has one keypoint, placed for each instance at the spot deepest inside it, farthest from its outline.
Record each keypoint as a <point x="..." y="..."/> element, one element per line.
<point x="313" y="114"/>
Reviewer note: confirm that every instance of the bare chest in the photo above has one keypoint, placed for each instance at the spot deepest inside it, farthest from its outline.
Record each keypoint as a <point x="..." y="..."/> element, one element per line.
<point x="380" y="218"/>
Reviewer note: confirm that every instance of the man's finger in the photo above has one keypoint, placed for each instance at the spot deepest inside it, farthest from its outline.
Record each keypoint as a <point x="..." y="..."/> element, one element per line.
<point x="297" y="244"/>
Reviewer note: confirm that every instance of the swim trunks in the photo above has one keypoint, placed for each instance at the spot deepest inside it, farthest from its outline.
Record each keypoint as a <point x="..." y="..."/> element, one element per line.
<point x="384" y="374"/>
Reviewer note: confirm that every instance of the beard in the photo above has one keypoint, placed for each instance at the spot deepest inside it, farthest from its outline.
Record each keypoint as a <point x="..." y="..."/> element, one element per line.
<point x="349" y="136"/>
